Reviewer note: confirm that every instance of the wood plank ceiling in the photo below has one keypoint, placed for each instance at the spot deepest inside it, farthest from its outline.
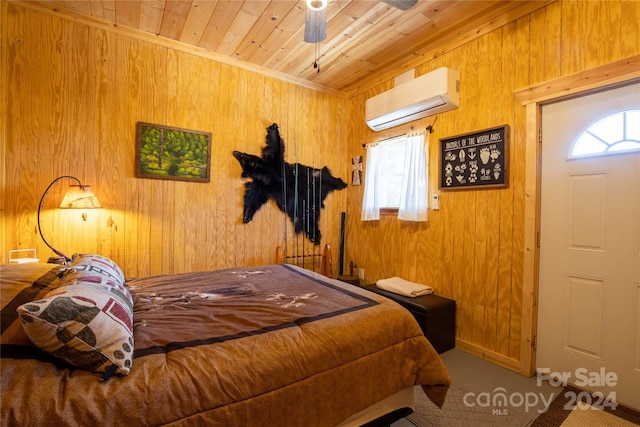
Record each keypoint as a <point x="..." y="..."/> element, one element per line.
<point x="367" y="40"/>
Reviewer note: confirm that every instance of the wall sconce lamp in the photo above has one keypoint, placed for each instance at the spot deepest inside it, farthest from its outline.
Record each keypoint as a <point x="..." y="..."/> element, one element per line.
<point x="78" y="196"/>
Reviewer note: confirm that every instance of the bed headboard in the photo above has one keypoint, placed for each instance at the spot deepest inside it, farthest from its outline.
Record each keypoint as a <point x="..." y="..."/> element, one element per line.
<point x="320" y="263"/>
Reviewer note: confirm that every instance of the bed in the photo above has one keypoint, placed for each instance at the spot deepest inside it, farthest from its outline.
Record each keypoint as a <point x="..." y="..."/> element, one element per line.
<point x="275" y="345"/>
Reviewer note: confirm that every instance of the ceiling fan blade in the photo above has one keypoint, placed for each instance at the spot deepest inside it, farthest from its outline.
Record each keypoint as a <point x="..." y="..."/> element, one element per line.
<point x="401" y="4"/>
<point x="315" y="26"/>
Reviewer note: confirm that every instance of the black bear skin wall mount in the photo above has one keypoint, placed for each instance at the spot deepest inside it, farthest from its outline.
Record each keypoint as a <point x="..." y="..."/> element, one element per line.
<point x="298" y="190"/>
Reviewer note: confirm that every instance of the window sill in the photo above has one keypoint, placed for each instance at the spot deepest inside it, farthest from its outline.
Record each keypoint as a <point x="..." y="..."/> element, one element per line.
<point x="388" y="211"/>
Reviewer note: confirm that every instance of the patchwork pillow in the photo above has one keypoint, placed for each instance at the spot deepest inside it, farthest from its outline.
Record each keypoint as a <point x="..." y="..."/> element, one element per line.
<point x="88" y="321"/>
<point x="97" y="270"/>
<point x="97" y="264"/>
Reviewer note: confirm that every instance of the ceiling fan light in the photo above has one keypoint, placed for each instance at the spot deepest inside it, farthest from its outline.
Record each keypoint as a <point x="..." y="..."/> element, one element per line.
<point x="316" y="4"/>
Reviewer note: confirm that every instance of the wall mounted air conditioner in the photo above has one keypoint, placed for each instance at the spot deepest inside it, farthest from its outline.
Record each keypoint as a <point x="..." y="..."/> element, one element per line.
<point x="429" y="94"/>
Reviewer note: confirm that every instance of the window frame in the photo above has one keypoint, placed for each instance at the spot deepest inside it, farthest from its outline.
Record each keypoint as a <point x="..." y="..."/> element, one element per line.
<point x="593" y="126"/>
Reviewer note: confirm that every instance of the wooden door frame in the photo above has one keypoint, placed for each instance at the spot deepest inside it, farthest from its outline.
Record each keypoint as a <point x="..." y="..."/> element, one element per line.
<point x="533" y="98"/>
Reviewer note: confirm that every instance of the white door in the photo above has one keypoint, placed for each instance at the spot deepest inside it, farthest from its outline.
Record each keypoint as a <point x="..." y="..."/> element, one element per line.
<point x="589" y="278"/>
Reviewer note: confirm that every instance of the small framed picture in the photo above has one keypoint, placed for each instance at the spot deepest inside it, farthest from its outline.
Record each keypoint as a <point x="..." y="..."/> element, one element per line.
<point x="356" y="170"/>
<point x="165" y="152"/>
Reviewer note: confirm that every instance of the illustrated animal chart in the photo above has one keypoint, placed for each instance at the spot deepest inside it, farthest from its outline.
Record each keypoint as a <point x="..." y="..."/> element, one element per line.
<point x="298" y="190"/>
<point x="475" y="159"/>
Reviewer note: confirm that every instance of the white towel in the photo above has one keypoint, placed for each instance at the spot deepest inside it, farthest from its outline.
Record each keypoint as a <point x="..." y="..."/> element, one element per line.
<point x="404" y="287"/>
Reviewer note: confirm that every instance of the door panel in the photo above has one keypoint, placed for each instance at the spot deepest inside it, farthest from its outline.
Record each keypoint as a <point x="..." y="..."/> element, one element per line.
<point x="589" y="281"/>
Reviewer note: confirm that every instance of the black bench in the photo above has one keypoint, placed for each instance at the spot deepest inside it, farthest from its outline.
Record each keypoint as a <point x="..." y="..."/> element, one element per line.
<point x="436" y="316"/>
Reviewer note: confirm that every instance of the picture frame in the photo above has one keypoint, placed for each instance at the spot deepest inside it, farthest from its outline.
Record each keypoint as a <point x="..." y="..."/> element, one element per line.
<point x="475" y="160"/>
<point x="167" y="152"/>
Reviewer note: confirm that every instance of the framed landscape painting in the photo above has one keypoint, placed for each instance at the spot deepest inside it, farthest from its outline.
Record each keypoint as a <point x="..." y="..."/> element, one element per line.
<point x="165" y="152"/>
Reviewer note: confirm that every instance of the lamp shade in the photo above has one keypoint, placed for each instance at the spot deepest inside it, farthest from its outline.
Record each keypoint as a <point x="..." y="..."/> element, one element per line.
<point x="79" y="197"/>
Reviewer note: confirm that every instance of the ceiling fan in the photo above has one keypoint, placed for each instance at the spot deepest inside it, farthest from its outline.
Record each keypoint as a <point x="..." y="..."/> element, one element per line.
<point x="315" y="25"/>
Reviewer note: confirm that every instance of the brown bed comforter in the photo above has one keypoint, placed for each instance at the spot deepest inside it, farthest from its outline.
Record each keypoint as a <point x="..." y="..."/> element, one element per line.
<point x="268" y="346"/>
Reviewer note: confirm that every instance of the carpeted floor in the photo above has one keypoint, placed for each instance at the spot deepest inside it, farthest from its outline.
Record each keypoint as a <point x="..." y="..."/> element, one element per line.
<point x="564" y="412"/>
<point x="475" y="399"/>
<point x="455" y="413"/>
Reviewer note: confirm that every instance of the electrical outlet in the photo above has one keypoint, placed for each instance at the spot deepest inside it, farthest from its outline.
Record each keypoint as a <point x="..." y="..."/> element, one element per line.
<point x="361" y="273"/>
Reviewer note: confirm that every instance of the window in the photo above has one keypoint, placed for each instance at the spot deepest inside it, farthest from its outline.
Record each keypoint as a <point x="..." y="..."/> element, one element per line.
<point x="615" y="133"/>
<point x="391" y="171"/>
<point x="396" y="179"/>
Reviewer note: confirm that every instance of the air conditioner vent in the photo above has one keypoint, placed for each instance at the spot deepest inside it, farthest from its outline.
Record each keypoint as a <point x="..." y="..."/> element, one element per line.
<point x="432" y="93"/>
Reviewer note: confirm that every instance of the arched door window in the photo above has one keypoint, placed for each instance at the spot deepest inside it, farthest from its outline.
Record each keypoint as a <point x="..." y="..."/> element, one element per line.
<point x="615" y="133"/>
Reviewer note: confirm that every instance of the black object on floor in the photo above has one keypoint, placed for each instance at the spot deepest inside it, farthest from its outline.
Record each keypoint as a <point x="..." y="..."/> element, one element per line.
<point x="436" y="316"/>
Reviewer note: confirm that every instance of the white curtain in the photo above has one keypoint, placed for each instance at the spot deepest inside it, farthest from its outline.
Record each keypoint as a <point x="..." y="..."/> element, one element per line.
<point x="371" y="201"/>
<point x="414" y="201"/>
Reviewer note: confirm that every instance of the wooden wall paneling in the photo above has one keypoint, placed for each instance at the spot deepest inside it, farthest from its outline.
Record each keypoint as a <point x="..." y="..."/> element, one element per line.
<point x="19" y="228"/>
<point x="482" y="227"/>
<point x="3" y="137"/>
<point x="54" y="139"/>
<point x="452" y="288"/>
<point x="574" y="34"/>
<point x="629" y="25"/>
<point x="122" y="109"/>
<point x="537" y="45"/>
<point x="109" y="185"/>
<point x="141" y="198"/>
<point x="495" y="220"/>
<point x="78" y="104"/>
<point x="594" y="47"/>
<point x="485" y="227"/>
<point x="127" y="235"/>
<point x="507" y="220"/>
<point x="522" y="75"/>
<point x="515" y="338"/>
<point x="225" y="171"/>
<point x="608" y="17"/>
<point x="229" y="196"/>
<point x="156" y="225"/>
<point x="466" y="200"/>
<point x="552" y="30"/>
<point x="99" y="49"/>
